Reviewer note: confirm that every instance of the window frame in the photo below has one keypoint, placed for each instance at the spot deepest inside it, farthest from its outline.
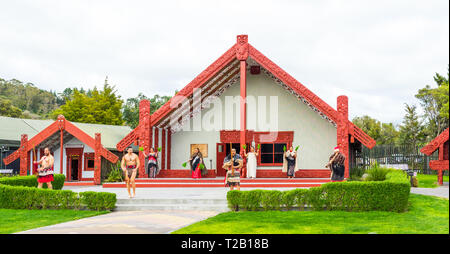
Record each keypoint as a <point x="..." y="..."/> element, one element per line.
<point x="259" y="163"/>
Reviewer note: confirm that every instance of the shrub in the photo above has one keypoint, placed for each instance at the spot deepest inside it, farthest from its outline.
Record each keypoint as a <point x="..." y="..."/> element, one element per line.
<point x="356" y="173"/>
<point x="376" y="173"/>
<point x="116" y="173"/>
<point x="233" y="198"/>
<point x="22" y="197"/>
<point x="389" y="195"/>
<point x="31" y="181"/>
<point x="271" y="199"/>
<point x="98" y="200"/>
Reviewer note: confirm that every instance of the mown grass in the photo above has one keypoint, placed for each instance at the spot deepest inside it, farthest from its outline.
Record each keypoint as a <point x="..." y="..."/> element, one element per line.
<point x="425" y="215"/>
<point x="429" y="181"/>
<point x="16" y="220"/>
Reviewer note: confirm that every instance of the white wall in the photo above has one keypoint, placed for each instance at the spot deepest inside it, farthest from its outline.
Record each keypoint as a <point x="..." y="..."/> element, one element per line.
<point x="315" y="135"/>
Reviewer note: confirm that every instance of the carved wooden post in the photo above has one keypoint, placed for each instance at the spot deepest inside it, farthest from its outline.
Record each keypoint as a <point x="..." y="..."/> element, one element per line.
<point x="342" y="130"/>
<point x="23" y="155"/>
<point x="61" y="125"/>
<point x="98" y="159"/>
<point x="169" y="147"/>
<point x="145" y="134"/>
<point x="163" y="149"/>
<point x="441" y="158"/>
<point x="242" y="55"/>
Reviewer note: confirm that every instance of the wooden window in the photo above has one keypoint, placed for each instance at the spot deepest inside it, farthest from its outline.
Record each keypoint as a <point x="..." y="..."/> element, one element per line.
<point x="271" y="154"/>
<point x="89" y="161"/>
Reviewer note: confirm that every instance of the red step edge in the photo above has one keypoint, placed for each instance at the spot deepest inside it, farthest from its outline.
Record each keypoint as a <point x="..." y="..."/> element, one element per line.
<point x="168" y="185"/>
<point x="78" y="183"/>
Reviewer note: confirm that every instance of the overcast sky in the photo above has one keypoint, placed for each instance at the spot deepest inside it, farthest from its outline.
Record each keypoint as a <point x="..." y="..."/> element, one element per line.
<point x="378" y="53"/>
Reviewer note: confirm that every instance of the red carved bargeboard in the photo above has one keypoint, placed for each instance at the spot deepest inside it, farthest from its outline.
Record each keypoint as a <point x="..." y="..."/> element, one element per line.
<point x="435" y="143"/>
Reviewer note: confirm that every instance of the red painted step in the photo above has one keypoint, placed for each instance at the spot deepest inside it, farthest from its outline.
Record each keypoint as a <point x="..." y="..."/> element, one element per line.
<point x="78" y="183"/>
<point x="169" y="185"/>
<point x="218" y="180"/>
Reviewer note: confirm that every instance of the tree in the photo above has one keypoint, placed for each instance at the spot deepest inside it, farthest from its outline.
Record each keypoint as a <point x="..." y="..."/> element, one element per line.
<point x="7" y="109"/>
<point x="131" y="107"/>
<point x="412" y="131"/>
<point x="382" y="133"/>
<point x="388" y="135"/>
<point x="99" y="106"/>
<point x="434" y="102"/>
<point x="370" y="126"/>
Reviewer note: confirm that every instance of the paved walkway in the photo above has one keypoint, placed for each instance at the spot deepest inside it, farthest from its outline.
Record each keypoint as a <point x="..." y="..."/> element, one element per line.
<point x="441" y="191"/>
<point x="129" y="222"/>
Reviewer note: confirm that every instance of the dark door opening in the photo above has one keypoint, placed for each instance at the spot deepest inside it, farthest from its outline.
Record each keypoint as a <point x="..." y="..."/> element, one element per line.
<point x="74" y="169"/>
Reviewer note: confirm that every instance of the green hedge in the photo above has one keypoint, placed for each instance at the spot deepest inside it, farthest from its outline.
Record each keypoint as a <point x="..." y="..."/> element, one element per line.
<point x="389" y="195"/>
<point x="22" y="197"/>
<point x="31" y="181"/>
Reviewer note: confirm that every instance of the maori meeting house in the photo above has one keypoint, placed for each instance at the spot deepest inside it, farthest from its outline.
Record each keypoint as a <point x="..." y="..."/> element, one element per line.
<point x="226" y="105"/>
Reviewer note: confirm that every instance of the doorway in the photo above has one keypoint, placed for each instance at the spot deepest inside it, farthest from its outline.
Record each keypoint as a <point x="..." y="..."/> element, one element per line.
<point x="222" y="150"/>
<point x="74" y="168"/>
<point x="74" y="165"/>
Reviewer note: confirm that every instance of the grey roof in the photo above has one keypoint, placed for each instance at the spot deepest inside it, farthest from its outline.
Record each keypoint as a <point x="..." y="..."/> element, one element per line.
<point x="11" y="130"/>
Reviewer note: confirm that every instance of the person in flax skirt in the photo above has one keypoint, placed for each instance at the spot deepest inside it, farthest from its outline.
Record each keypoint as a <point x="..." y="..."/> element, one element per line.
<point x="290" y="162"/>
<point x="233" y="164"/>
<point x="336" y="164"/>
<point x="152" y="165"/>
<point x="198" y="168"/>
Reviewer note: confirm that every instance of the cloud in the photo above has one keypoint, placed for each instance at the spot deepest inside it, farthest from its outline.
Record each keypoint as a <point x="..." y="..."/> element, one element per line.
<point x="379" y="53"/>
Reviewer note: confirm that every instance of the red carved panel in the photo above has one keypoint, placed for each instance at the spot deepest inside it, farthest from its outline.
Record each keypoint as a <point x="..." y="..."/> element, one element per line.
<point x="439" y="165"/>
<point x="234" y="136"/>
<point x="97" y="159"/>
<point x="127" y="140"/>
<point x="242" y="47"/>
<point x="274" y="137"/>
<point x="342" y="130"/>
<point x="435" y="143"/>
<point x="23" y="152"/>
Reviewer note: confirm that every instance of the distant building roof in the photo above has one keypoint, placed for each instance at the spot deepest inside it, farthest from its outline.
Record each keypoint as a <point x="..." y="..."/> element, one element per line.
<point x="11" y="130"/>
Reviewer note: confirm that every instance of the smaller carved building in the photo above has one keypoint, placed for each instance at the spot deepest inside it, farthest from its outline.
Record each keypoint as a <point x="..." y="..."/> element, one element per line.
<point x="441" y="144"/>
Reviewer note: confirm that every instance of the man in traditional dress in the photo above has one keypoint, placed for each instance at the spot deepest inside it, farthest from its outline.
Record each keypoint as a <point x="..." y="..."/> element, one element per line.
<point x="45" y="171"/>
<point x="130" y="164"/>
<point x="336" y="164"/>
<point x="290" y="162"/>
<point x="233" y="164"/>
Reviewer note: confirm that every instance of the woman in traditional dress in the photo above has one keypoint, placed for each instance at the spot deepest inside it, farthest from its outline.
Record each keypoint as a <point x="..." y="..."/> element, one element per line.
<point x="198" y="168"/>
<point x="251" y="162"/>
<point x="152" y="165"/>
<point x="233" y="163"/>
<point x="336" y="164"/>
<point x="290" y="162"/>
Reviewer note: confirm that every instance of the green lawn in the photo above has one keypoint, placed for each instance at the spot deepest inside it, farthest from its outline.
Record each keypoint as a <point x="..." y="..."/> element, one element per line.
<point x="426" y="215"/>
<point x="428" y="181"/>
<point x="16" y="220"/>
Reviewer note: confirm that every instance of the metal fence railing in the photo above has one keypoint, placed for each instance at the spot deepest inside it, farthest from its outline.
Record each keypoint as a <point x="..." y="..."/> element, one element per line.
<point x="400" y="157"/>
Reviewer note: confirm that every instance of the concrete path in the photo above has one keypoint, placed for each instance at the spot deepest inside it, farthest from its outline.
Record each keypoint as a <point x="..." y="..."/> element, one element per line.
<point x="129" y="222"/>
<point x="441" y="191"/>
